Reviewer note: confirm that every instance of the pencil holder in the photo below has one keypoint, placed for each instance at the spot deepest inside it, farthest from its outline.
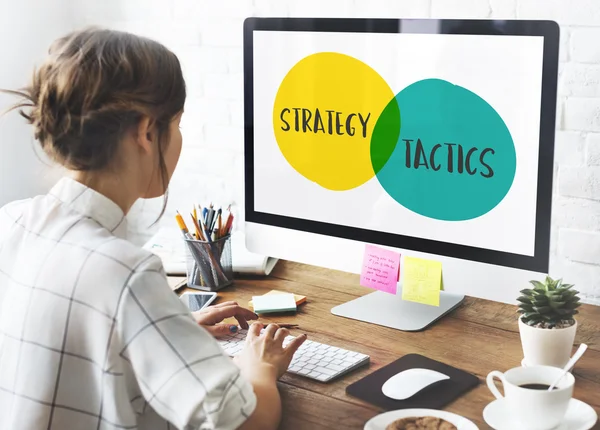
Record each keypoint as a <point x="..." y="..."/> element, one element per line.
<point x="209" y="265"/>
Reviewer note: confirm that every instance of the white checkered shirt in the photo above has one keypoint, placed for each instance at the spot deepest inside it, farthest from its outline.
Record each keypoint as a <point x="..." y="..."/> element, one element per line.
<point x="92" y="337"/>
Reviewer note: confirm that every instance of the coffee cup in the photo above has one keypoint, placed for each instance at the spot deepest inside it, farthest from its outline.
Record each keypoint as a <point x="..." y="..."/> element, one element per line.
<point x="526" y="397"/>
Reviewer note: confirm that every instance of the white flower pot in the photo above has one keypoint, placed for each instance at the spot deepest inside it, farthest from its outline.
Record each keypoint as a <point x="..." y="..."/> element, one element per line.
<point x="546" y="347"/>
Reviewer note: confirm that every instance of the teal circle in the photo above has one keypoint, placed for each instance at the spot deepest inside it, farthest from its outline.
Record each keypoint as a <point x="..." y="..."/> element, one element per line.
<point x="436" y="116"/>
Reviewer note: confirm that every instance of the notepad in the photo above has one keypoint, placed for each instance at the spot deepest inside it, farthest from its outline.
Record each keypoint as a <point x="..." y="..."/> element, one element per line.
<point x="274" y="303"/>
<point x="422" y="281"/>
<point x="299" y="299"/>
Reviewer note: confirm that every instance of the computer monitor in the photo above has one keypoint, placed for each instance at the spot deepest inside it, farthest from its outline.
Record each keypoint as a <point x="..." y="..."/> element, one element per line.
<point x="434" y="138"/>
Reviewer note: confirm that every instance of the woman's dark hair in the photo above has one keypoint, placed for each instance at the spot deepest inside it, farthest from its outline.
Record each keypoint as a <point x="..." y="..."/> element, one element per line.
<point x="96" y="85"/>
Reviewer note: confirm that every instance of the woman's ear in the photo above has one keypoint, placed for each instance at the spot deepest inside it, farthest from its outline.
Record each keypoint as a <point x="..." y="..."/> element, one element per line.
<point x="146" y="131"/>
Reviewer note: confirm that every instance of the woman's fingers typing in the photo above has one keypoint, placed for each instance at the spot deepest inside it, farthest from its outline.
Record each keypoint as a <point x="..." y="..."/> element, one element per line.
<point x="281" y="334"/>
<point x="254" y="330"/>
<point x="271" y="330"/>
<point x="294" y="344"/>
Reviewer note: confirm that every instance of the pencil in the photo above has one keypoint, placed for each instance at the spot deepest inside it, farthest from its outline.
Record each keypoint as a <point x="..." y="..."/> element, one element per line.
<point x="219" y="224"/>
<point x="229" y="224"/>
<point x="224" y="229"/>
<point x="198" y="230"/>
<point x="182" y="225"/>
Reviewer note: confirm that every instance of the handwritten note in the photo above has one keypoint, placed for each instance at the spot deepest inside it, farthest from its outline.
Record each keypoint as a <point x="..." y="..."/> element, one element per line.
<point x="422" y="281"/>
<point x="380" y="269"/>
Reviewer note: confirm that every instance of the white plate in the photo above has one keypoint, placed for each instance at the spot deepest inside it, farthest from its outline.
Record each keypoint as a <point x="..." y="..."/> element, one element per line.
<point x="579" y="416"/>
<point x="381" y="421"/>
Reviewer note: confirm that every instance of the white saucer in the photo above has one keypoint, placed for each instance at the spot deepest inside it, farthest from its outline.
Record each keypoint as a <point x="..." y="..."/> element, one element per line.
<point x="381" y="421"/>
<point x="580" y="416"/>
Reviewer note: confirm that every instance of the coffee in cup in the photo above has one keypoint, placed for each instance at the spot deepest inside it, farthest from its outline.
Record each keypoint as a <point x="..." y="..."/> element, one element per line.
<point x="527" y="399"/>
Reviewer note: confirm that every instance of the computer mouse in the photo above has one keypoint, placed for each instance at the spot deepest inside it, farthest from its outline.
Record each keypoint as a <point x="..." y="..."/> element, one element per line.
<point x="409" y="382"/>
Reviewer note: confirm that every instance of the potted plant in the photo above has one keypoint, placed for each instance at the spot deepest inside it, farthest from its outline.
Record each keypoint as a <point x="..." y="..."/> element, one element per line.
<point x="547" y="323"/>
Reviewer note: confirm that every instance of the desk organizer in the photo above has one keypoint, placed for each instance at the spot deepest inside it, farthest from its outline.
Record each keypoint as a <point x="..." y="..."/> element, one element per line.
<point x="209" y="264"/>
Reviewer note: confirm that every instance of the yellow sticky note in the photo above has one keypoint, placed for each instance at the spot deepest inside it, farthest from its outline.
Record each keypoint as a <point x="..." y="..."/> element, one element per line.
<point x="422" y="281"/>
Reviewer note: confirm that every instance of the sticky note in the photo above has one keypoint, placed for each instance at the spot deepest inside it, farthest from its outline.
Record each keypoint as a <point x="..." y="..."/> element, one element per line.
<point x="422" y="281"/>
<point x="299" y="299"/>
<point x="380" y="269"/>
<point x="271" y="303"/>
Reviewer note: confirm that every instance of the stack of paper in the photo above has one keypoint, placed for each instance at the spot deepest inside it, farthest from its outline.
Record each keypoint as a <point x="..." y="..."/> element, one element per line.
<point x="274" y="303"/>
<point x="299" y="299"/>
<point x="168" y="244"/>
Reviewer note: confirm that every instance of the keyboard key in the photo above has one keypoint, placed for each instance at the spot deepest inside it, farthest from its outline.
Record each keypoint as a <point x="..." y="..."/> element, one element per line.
<point x="336" y="361"/>
<point x="304" y="371"/>
<point x="314" y="374"/>
<point x="323" y="378"/>
<point x="335" y="367"/>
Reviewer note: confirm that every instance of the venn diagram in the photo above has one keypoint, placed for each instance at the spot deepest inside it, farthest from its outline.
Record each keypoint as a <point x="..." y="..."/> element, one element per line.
<point x="436" y="148"/>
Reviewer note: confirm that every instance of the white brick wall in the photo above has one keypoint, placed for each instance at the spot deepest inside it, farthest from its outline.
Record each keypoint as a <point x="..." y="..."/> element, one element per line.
<point x="207" y="37"/>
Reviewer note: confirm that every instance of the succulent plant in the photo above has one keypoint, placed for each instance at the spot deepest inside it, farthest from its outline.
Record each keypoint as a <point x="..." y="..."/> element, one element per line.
<point x="550" y="304"/>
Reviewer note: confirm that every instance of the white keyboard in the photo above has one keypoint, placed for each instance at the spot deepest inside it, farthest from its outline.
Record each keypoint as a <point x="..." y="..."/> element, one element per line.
<point x="313" y="360"/>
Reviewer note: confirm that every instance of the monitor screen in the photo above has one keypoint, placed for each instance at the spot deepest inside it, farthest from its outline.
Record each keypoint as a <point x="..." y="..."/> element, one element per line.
<point x="424" y="139"/>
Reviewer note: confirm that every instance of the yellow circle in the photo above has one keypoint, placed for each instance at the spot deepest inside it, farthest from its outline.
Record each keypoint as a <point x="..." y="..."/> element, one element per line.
<point x="324" y="115"/>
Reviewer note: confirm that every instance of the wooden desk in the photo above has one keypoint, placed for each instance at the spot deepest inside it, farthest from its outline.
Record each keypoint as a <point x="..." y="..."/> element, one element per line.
<point x="479" y="337"/>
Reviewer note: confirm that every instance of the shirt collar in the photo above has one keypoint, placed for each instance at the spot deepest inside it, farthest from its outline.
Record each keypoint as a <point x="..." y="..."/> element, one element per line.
<point x="92" y="204"/>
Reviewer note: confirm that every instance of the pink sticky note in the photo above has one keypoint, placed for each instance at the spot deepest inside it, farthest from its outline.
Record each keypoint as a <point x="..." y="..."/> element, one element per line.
<point x="380" y="269"/>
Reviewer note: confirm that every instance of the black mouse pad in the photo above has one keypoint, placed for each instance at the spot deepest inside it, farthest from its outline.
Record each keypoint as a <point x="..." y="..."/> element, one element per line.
<point x="435" y="396"/>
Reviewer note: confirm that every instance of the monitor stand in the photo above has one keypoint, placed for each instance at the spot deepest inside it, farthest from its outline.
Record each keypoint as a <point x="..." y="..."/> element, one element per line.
<point x="391" y="311"/>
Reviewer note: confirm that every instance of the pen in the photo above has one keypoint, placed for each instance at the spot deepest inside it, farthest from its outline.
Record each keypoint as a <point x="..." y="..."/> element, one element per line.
<point x="283" y="325"/>
<point x="209" y="218"/>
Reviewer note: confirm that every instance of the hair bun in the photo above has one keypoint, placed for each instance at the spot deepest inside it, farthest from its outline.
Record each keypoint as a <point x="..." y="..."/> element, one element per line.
<point x="93" y="87"/>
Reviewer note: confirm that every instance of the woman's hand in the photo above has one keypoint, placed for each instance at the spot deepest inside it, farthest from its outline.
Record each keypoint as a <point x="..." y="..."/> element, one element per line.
<point x="264" y="354"/>
<point x="210" y="318"/>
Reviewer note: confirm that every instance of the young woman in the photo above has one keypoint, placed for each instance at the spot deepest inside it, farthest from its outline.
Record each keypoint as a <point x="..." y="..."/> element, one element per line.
<point x="91" y="336"/>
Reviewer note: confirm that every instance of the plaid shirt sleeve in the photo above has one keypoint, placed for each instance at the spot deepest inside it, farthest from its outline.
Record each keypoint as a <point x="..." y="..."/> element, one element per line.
<point x="180" y="369"/>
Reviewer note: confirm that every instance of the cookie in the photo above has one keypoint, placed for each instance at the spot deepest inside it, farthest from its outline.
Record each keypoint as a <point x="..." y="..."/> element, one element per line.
<point x="421" y="423"/>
